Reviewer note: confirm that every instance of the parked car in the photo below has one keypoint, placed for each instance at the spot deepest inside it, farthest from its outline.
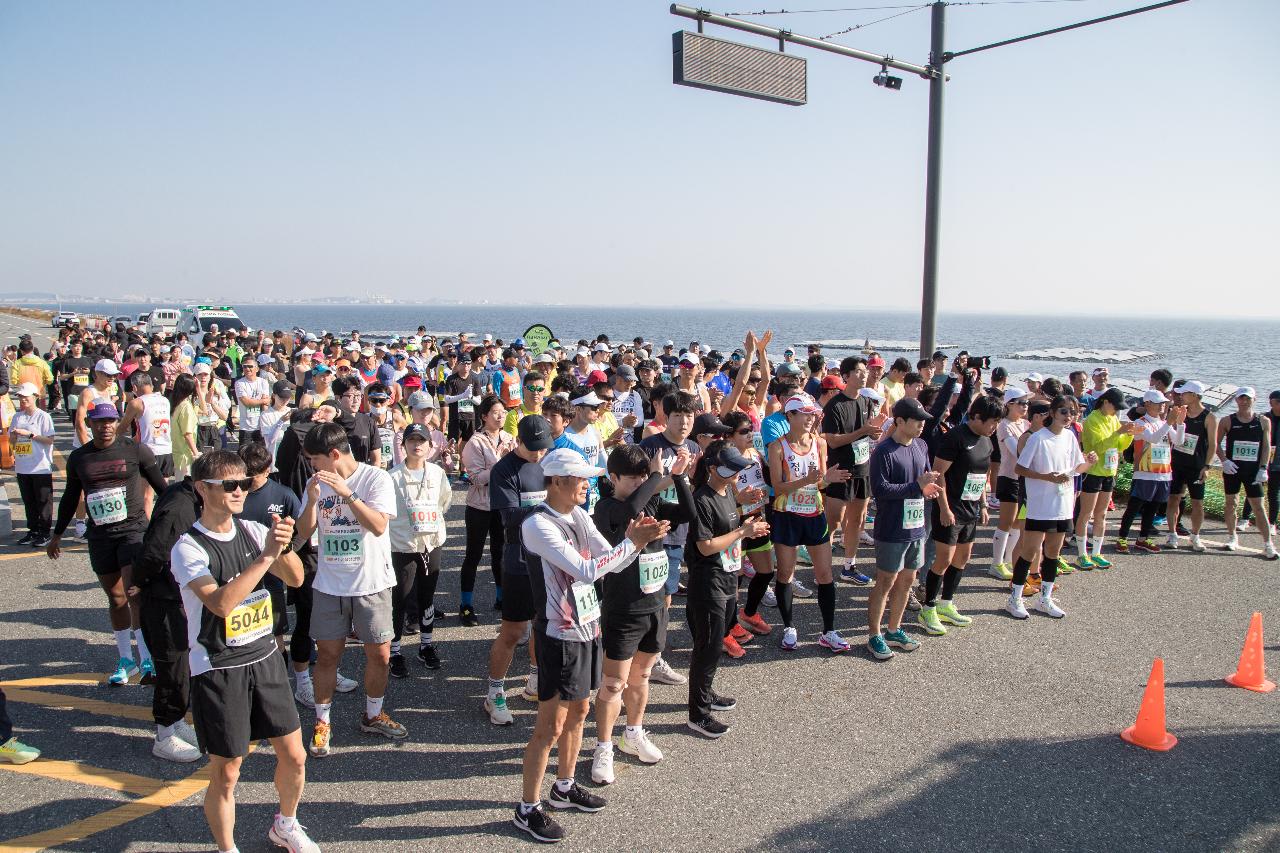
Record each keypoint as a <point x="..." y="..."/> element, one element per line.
<point x="163" y="321"/>
<point x="66" y="318"/>
<point x="197" y="319"/>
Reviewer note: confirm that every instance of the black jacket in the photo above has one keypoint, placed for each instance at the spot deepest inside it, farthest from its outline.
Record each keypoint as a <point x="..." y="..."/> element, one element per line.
<point x="174" y="513"/>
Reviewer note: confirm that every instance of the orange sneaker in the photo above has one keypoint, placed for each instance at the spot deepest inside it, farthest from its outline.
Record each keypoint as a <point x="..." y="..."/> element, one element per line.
<point x="732" y="649"/>
<point x="741" y="634"/>
<point x="755" y="624"/>
<point x="1032" y="587"/>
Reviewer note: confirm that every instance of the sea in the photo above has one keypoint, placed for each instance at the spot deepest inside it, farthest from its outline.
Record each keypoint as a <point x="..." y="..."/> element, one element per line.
<point x="1236" y="351"/>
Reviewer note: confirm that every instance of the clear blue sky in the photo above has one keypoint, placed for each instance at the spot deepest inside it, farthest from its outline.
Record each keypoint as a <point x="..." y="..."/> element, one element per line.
<point x="539" y="152"/>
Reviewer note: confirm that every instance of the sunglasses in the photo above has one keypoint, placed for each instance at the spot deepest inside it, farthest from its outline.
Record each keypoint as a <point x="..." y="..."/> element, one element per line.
<point x="536" y="389"/>
<point x="744" y="431"/>
<point x="230" y="486"/>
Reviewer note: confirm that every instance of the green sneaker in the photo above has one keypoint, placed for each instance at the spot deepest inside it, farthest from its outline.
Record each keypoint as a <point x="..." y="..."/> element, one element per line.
<point x="947" y="613"/>
<point x="1086" y="563"/>
<point x="16" y="752"/>
<point x="928" y="619"/>
<point x="899" y="639"/>
<point x="1100" y="562"/>
<point x="1064" y="568"/>
<point x="1000" y="571"/>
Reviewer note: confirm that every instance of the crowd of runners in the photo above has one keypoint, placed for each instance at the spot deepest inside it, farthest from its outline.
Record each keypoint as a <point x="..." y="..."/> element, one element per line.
<point x="605" y="481"/>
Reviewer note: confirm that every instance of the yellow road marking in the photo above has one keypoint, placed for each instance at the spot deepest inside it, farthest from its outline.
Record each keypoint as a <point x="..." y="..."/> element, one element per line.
<point x="74" y="549"/>
<point x="59" y="680"/>
<point x="87" y="774"/>
<point x="79" y="703"/>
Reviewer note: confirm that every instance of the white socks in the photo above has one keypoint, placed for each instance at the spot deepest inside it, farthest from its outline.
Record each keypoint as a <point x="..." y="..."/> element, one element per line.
<point x="1046" y="590"/>
<point x="633" y="732"/>
<point x="372" y="707"/>
<point x="303" y="677"/>
<point x="1011" y="549"/>
<point x="1097" y="546"/>
<point x="1082" y="546"/>
<point x="997" y="545"/>
<point x="124" y="644"/>
<point x="322" y="711"/>
<point x="144" y="654"/>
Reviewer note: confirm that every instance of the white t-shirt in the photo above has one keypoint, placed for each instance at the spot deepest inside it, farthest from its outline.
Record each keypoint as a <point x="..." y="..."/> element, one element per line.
<point x="1046" y="453"/>
<point x="352" y="561"/>
<point x="29" y="455"/>
<point x="250" y="415"/>
<point x="629" y="403"/>
<point x="272" y="425"/>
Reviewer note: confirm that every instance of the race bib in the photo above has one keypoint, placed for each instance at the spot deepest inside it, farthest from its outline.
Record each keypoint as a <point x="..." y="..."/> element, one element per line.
<point x="593" y="497"/>
<point x="973" y="486"/>
<point x="343" y="548"/>
<point x="1111" y="460"/>
<point x="1161" y="454"/>
<point x="160" y="430"/>
<point x="22" y="446"/>
<point x="466" y="406"/>
<point x="107" y="506"/>
<point x="251" y="620"/>
<point x="253" y="411"/>
<point x="424" y="519"/>
<point x="528" y="500"/>
<point x="803" y="501"/>
<point x="1188" y="443"/>
<point x="913" y="513"/>
<point x="861" y="451"/>
<point x="654" y="569"/>
<point x="731" y="557"/>
<point x="757" y="441"/>
<point x="388" y="442"/>
<point x="586" y="602"/>
<point x="1244" y="451"/>
<point x="81" y="379"/>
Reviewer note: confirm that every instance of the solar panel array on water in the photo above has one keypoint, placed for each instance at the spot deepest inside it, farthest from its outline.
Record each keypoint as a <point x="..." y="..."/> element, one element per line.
<point x="1097" y="356"/>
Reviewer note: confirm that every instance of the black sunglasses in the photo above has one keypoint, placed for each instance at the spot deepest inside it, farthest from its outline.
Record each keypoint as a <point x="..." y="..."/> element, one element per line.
<point x="744" y="431"/>
<point x="230" y="486"/>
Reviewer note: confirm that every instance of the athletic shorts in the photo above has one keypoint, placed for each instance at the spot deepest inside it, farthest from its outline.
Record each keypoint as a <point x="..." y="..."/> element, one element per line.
<point x="855" y="488"/>
<point x="241" y="705"/>
<point x="896" y="556"/>
<point x="1049" y="525"/>
<point x="796" y="530"/>
<point x="1095" y="484"/>
<point x="333" y="617"/>
<point x="165" y="461"/>
<point x="1231" y="484"/>
<point x="517" y="598"/>
<point x="1150" y="490"/>
<point x="1009" y="490"/>
<point x="624" y="634"/>
<point x="1189" y="481"/>
<point x="109" y="556"/>
<point x="960" y="533"/>
<point x="568" y="670"/>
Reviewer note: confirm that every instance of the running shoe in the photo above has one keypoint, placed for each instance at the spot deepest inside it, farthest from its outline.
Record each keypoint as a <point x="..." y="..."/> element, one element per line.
<point x="320" y="740"/>
<point x="833" y="641"/>
<point x="576" y="798"/>
<point x="530" y="690"/>
<point x="1122" y="546"/>
<point x="770" y="598"/>
<point x="1197" y="544"/>
<point x="864" y="538"/>
<point x="1268" y="551"/>
<point x="306" y="694"/>
<point x="733" y="649"/>
<point x="741" y="634"/>
<point x="1044" y="604"/>
<point x="799" y="590"/>
<point x="1100" y="562"/>
<point x="928" y="619"/>
<point x="342" y="684"/>
<point x="878" y="647"/>
<point x="294" y="839"/>
<point x="467" y="616"/>
<point x="383" y="725"/>
<point x="802" y="556"/>
<point x="539" y="824"/>
<point x="756" y="624"/>
<point x="947" y="613"/>
<point x="723" y="703"/>
<point x="40" y="541"/>
<point x="399" y="669"/>
<point x="148" y="670"/>
<point x="899" y="639"/>
<point x="496" y="708"/>
<point x="1160" y="520"/>
<point x="1032" y="586"/>
<point x="850" y="574"/>
<point x="1182" y="530"/>
<point x="427" y="654"/>
<point x="26" y="540"/>
<point x="1086" y="563"/>
<point x="125" y="669"/>
<point x="15" y="751"/>
<point x="1242" y="525"/>
<point x="1015" y="608"/>
<point x="602" y="764"/>
<point x="1231" y="544"/>
<point x="913" y="601"/>
<point x="175" y="749"/>
<point x="1171" y="542"/>
<point x="664" y="674"/>
<point x="1147" y="545"/>
<point x="410" y="627"/>
<point x="1065" y="568"/>
<point x="993" y="502"/>
<point x="710" y="727"/>
<point x="81" y="528"/>
<point x="183" y="730"/>
<point x="790" y="639"/>
<point x="642" y="748"/>
<point x="1000" y="571"/>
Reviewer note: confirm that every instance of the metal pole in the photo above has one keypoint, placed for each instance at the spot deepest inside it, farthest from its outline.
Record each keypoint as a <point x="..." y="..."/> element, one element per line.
<point x="933" y="182"/>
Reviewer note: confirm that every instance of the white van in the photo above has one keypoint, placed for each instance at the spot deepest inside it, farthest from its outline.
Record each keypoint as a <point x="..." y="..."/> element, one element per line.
<point x="196" y="320"/>
<point x="163" y="321"/>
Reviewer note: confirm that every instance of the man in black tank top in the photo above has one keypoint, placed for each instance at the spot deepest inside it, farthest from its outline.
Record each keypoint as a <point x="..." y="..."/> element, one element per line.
<point x="1273" y="466"/>
<point x="1190" y="463"/>
<point x="1245" y="453"/>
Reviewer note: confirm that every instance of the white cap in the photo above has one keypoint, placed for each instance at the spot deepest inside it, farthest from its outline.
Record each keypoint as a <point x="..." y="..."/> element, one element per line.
<point x="1244" y="391"/>
<point x="545" y="358"/>
<point x="1191" y="387"/>
<point x="1034" y="377"/>
<point x="351" y="346"/>
<point x="583" y="351"/>
<point x="265" y="359"/>
<point x="487" y="337"/>
<point x="588" y="399"/>
<point x="107" y="366"/>
<point x="801" y="403"/>
<point x="871" y="394"/>
<point x="202" y="367"/>
<point x="668" y="343"/>
<point x="1154" y="396"/>
<point x="1015" y="392"/>
<point x="310" y="337"/>
<point x="601" y="347"/>
<point x="367" y="351"/>
<point x="26" y="389"/>
<point x="567" y="462"/>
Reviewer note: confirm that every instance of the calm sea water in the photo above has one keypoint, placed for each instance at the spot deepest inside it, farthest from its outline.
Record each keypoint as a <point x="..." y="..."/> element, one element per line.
<point x="1245" y="352"/>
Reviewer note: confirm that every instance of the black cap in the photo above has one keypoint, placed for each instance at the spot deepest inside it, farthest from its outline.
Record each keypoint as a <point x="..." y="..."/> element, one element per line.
<point x="465" y="358"/>
<point x="418" y="430"/>
<point x="534" y="432"/>
<point x="282" y="388"/>
<point x="1274" y="395"/>
<point x="910" y="408"/>
<point x="708" y="424"/>
<point x="730" y="457"/>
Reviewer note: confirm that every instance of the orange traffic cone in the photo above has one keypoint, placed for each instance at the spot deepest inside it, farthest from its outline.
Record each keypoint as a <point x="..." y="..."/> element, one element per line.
<point x="1250" y="672"/>
<point x="1149" y="730"/>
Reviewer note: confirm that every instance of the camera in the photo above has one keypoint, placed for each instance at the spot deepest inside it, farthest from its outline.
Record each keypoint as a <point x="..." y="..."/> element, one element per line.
<point x="887" y="81"/>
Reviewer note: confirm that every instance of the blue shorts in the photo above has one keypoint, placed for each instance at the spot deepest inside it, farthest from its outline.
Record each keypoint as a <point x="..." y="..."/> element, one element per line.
<point x="793" y="530"/>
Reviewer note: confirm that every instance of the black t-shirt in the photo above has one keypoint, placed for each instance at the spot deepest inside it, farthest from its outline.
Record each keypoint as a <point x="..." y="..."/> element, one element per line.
<point x="70" y="364"/>
<point x="472" y="385"/>
<point x="843" y="415"/>
<point x="661" y="444"/>
<point x="624" y="591"/>
<point x="271" y="498"/>
<point x="516" y="486"/>
<point x="110" y="478"/>
<point x="1194" y="461"/>
<point x="714" y="515"/>
<point x="969" y="454"/>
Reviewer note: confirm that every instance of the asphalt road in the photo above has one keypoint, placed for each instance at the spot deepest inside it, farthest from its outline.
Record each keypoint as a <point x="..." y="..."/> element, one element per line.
<point x="1002" y="734"/>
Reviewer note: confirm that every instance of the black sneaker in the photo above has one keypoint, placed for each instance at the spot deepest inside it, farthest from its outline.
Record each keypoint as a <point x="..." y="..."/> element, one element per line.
<point x="410" y="628"/>
<point x="427" y="654"/>
<point x="723" y="703"/>
<point x="577" y="798"/>
<point x="399" y="669"/>
<point x="39" y="541"/>
<point x="539" y="824"/>
<point x="709" y="726"/>
<point x="1182" y="529"/>
<point x="467" y="616"/>
<point x="682" y="590"/>
<point x="26" y="540"/>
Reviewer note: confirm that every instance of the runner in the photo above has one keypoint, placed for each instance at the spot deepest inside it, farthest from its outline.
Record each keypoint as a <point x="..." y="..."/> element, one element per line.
<point x="567" y="555"/>
<point x="150" y="415"/>
<point x="1152" y="470"/>
<point x="583" y="437"/>
<point x="532" y="394"/>
<point x="109" y="472"/>
<point x="963" y="456"/>
<point x="252" y="393"/>
<point x="348" y="505"/>
<point x="481" y="453"/>
<point x="239" y="687"/>
<point x="1273" y="469"/>
<point x="758" y="550"/>
<point x="463" y="391"/>
<point x="31" y="436"/>
<point x="1191" y="464"/>
<point x="1104" y="435"/>
<point x="1246" y="442"/>
<point x="1004" y="542"/>
<point x="267" y="498"/>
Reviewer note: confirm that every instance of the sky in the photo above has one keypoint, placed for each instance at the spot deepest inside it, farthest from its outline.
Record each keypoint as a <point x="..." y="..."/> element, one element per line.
<point x="529" y="152"/>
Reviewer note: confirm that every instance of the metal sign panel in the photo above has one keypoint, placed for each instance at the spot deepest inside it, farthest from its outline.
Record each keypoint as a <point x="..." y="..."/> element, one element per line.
<point x="738" y="69"/>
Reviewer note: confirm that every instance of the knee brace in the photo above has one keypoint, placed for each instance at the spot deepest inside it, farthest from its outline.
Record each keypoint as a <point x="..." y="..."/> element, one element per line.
<point x="612" y="687"/>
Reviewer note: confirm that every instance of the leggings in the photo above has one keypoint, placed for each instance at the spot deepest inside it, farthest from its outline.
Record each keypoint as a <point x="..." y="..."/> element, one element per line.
<point x="1148" y="510"/>
<point x="414" y="572"/>
<point x="300" y="642"/>
<point x="482" y="523"/>
<point x="707" y="618"/>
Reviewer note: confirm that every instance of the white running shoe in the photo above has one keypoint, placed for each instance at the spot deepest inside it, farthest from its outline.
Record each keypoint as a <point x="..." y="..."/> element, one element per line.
<point x="306" y="694"/>
<point x="183" y="730"/>
<point x="1196" y="544"/>
<point x="530" y="691"/>
<point x="642" y="748"/>
<point x="1231" y="544"/>
<point x="1046" y="605"/>
<point x="1269" y="551"/>
<point x="602" y="764"/>
<point x="294" y="840"/>
<point x="790" y="639"/>
<point x="1171" y="542"/>
<point x="499" y="713"/>
<point x="1015" y="608"/>
<point x="664" y="674"/>
<point x="1242" y="525"/>
<point x="175" y="749"/>
<point x="770" y="598"/>
<point x="864" y="538"/>
<point x="799" y="590"/>
<point x="81" y="528"/>
<point x="832" y="640"/>
<point x="345" y="685"/>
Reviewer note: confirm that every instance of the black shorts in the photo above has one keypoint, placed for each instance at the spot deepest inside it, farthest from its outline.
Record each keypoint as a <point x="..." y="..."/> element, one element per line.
<point x="1095" y="483"/>
<point x="1009" y="490"/>
<point x="1051" y="525"/>
<point x="1231" y="483"/>
<point x="960" y="533"/>
<point x="109" y="556"/>
<point x="462" y="429"/>
<point x="165" y="461"/>
<point x="787" y="528"/>
<point x="855" y="488"/>
<point x="627" y="633"/>
<point x="568" y="670"/>
<point x="1189" y="481"/>
<point x="517" y="598"/>
<point x="242" y="705"/>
